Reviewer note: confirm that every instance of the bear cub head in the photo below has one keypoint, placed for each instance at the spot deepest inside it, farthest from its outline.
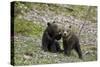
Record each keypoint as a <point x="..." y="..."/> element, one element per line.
<point x="55" y="30"/>
<point x="67" y="32"/>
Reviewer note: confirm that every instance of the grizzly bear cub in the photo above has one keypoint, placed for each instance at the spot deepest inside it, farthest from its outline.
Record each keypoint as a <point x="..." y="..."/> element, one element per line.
<point x="50" y="37"/>
<point x="71" y="41"/>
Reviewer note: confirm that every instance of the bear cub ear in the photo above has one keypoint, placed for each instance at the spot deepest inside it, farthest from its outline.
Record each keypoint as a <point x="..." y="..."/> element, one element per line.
<point x="54" y="22"/>
<point x="70" y="26"/>
<point x="48" y="24"/>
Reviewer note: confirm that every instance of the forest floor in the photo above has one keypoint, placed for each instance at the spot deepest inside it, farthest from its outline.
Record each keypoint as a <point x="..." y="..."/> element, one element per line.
<point x="28" y="51"/>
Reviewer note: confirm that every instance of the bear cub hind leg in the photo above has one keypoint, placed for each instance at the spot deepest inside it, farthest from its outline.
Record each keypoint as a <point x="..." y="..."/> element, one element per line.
<point x="78" y="50"/>
<point x="55" y="47"/>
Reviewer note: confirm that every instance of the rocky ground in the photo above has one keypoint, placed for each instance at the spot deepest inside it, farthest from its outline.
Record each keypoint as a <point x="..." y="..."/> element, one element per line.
<point x="28" y="51"/>
<point x="88" y="34"/>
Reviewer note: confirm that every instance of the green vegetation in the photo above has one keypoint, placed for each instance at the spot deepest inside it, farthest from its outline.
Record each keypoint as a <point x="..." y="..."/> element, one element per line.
<point x="78" y="11"/>
<point x="27" y="28"/>
<point x="21" y="8"/>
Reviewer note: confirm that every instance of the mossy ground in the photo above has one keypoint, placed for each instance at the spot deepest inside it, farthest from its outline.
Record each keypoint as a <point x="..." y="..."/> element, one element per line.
<point x="36" y="55"/>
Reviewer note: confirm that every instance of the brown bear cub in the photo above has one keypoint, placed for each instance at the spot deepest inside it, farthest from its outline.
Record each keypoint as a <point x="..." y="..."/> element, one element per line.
<point x="71" y="41"/>
<point x="50" y="37"/>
